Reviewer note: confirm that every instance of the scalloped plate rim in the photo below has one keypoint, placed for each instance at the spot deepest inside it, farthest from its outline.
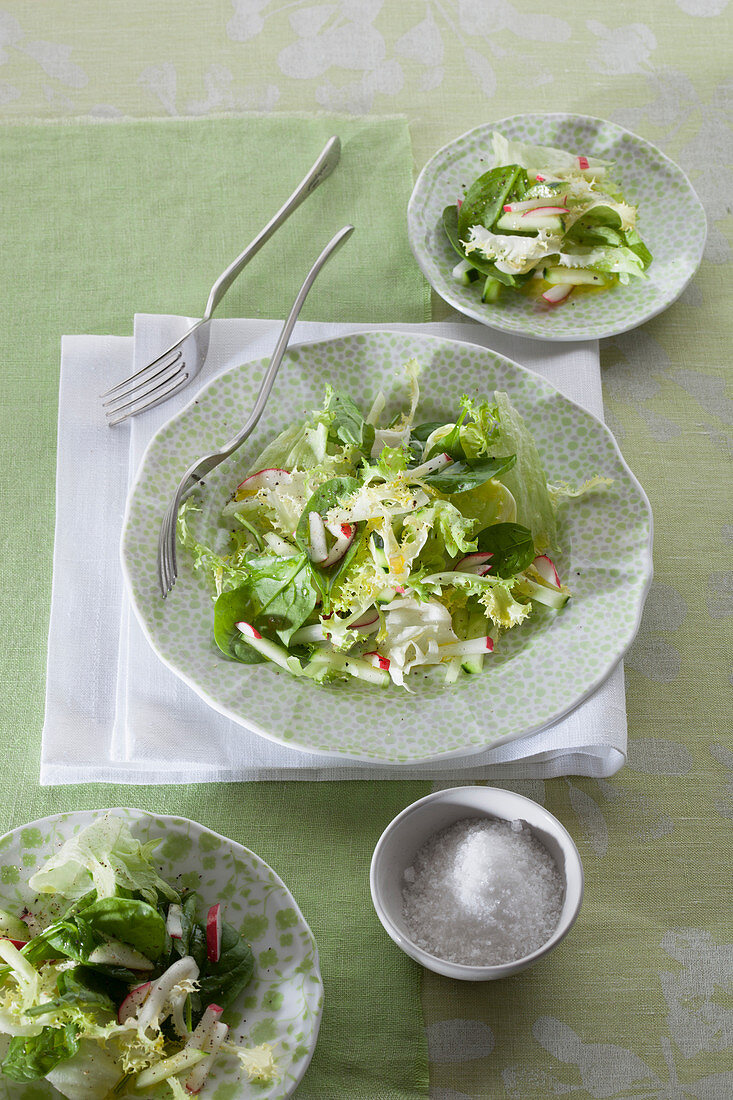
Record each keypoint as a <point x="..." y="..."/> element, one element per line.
<point x="471" y="750"/>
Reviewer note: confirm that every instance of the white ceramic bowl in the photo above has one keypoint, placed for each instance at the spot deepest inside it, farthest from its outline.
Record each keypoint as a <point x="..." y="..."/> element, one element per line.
<point x="404" y="836"/>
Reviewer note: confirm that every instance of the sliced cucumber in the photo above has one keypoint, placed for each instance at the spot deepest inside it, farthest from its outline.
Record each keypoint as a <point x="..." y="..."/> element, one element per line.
<point x="550" y="597"/>
<point x="492" y="289"/>
<point x="530" y="223"/>
<point x="380" y="558"/>
<point x="574" y="276"/>
<point x="464" y="273"/>
<point x="474" y="663"/>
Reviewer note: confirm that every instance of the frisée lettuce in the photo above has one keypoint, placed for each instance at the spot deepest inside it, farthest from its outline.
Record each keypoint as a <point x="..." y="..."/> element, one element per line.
<point x="388" y="549"/>
<point x="546" y="215"/>
<point x="120" y="991"/>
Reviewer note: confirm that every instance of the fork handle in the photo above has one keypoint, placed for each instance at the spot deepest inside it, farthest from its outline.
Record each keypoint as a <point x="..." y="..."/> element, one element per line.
<point x="320" y="171"/>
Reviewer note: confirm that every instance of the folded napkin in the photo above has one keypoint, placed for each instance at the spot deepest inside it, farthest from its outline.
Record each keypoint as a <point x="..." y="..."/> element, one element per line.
<point x="114" y="712"/>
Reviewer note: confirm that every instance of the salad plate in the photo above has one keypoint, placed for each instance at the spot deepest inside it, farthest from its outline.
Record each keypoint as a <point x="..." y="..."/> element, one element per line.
<point x="538" y="672"/>
<point x="281" y="1005"/>
<point x="671" y="221"/>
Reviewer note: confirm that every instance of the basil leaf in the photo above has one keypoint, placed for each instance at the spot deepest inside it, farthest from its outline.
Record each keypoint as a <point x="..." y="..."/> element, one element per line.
<point x="31" y="1058"/>
<point x="510" y="545"/>
<point x="486" y="197"/>
<point x="458" y="477"/>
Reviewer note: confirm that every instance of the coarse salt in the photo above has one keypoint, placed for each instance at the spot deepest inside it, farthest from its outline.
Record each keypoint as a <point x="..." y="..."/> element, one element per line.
<point x="482" y="892"/>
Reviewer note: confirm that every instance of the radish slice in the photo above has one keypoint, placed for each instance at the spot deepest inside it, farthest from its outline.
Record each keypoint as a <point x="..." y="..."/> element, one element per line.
<point x="545" y="210"/>
<point x="540" y="179"/>
<point x="132" y="1002"/>
<point x="459" y="203"/>
<point x="264" y="479"/>
<point x="438" y="462"/>
<point x="208" y="1021"/>
<point x="213" y="1041"/>
<point x="344" y="535"/>
<point x="528" y="205"/>
<point x="115" y="953"/>
<point x="467" y="648"/>
<point x="19" y="943"/>
<point x="472" y="562"/>
<point x="249" y="630"/>
<point x="213" y="933"/>
<point x="377" y="660"/>
<point x="369" y="618"/>
<point x="546" y="569"/>
<point x="583" y="163"/>
<point x="317" y="531"/>
<point x="174" y="923"/>
<point x="556" y="294"/>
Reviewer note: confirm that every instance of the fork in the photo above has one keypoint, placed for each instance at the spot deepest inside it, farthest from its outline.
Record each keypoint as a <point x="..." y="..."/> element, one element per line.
<point x="177" y="365"/>
<point x="167" y="560"/>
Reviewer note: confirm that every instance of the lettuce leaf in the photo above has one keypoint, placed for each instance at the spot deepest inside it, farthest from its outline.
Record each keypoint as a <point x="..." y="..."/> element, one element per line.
<point x="106" y="857"/>
<point x="526" y="481"/>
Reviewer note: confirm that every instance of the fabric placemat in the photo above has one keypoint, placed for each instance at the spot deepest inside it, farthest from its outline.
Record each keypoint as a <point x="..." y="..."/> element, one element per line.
<point x="114" y="711"/>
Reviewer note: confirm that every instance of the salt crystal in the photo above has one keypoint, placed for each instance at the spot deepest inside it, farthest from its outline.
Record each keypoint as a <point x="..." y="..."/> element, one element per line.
<point x="482" y="892"/>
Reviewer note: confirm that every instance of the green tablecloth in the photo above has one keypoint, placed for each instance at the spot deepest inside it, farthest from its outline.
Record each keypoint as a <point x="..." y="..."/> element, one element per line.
<point x="634" y="1002"/>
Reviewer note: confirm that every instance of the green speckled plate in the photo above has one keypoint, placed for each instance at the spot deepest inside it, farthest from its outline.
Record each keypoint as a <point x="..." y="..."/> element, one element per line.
<point x="283" y="1003"/>
<point x="535" y="675"/>
<point x="671" y="221"/>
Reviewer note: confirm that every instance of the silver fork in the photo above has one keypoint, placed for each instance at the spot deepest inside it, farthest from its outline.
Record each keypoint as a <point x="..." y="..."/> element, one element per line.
<point x="177" y="365"/>
<point x="167" y="560"/>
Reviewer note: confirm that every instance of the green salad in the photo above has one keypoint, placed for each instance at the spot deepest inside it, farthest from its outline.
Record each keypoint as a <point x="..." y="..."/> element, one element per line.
<point x="384" y="552"/>
<point x="114" y="983"/>
<point x="546" y="220"/>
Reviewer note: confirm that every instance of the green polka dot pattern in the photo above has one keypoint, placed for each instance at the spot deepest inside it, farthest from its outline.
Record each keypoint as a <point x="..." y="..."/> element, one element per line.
<point x="671" y="221"/>
<point x="536" y="674"/>
<point x="284" y="1000"/>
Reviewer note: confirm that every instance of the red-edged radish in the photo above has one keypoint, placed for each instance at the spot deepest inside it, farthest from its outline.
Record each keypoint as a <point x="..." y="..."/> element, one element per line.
<point x="556" y="294"/>
<point x="343" y="533"/>
<point x="213" y="933"/>
<point x="19" y="943"/>
<point x="170" y="1067"/>
<point x="546" y="569"/>
<point x="583" y="163"/>
<point x="540" y="179"/>
<point x="472" y="563"/>
<point x="174" y="922"/>
<point x="132" y="1002"/>
<point x="369" y="618"/>
<point x="528" y="206"/>
<point x="437" y="462"/>
<point x="377" y="660"/>
<point x="465" y="649"/>
<point x="264" y="479"/>
<point x="542" y="210"/>
<point x="278" y="654"/>
<point x="211" y="1044"/>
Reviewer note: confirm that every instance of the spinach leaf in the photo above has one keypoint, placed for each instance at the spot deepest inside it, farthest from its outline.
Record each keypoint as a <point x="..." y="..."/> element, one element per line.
<point x="277" y="597"/>
<point x="133" y="922"/>
<point x="348" y="425"/>
<point x="326" y="496"/>
<point x="450" y="225"/>
<point x="458" y="477"/>
<point x="486" y="196"/>
<point x="222" y="982"/>
<point x="30" y="1058"/>
<point x="511" y="546"/>
<point x="180" y="947"/>
<point x="422" y="431"/>
<point x="231" y="608"/>
<point x="73" y="939"/>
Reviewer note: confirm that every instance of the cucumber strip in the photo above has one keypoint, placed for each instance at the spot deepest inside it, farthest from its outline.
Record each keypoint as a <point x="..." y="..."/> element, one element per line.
<point x="574" y="276"/>
<point x="550" y="597"/>
<point x="492" y="289"/>
<point x="465" y="273"/>
<point x="530" y="223"/>
<point x="453" y="670"/>
<point x="169" y="1067"/>
<point x="322" y="663"/>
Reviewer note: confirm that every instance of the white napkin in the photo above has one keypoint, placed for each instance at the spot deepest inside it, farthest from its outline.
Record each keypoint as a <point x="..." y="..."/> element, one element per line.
<point x="114" y="712"/>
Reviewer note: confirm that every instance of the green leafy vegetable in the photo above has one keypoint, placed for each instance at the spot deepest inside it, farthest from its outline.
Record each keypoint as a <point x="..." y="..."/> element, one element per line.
<point x="348" y="424"/>
<point x="510" y="545"/>
<point x="486" y="196"/>
<point x="222" y="982"/>
<point x="130" y="921"/>
<point x="458" y="477"/>
<point x="29" y="1059"/>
